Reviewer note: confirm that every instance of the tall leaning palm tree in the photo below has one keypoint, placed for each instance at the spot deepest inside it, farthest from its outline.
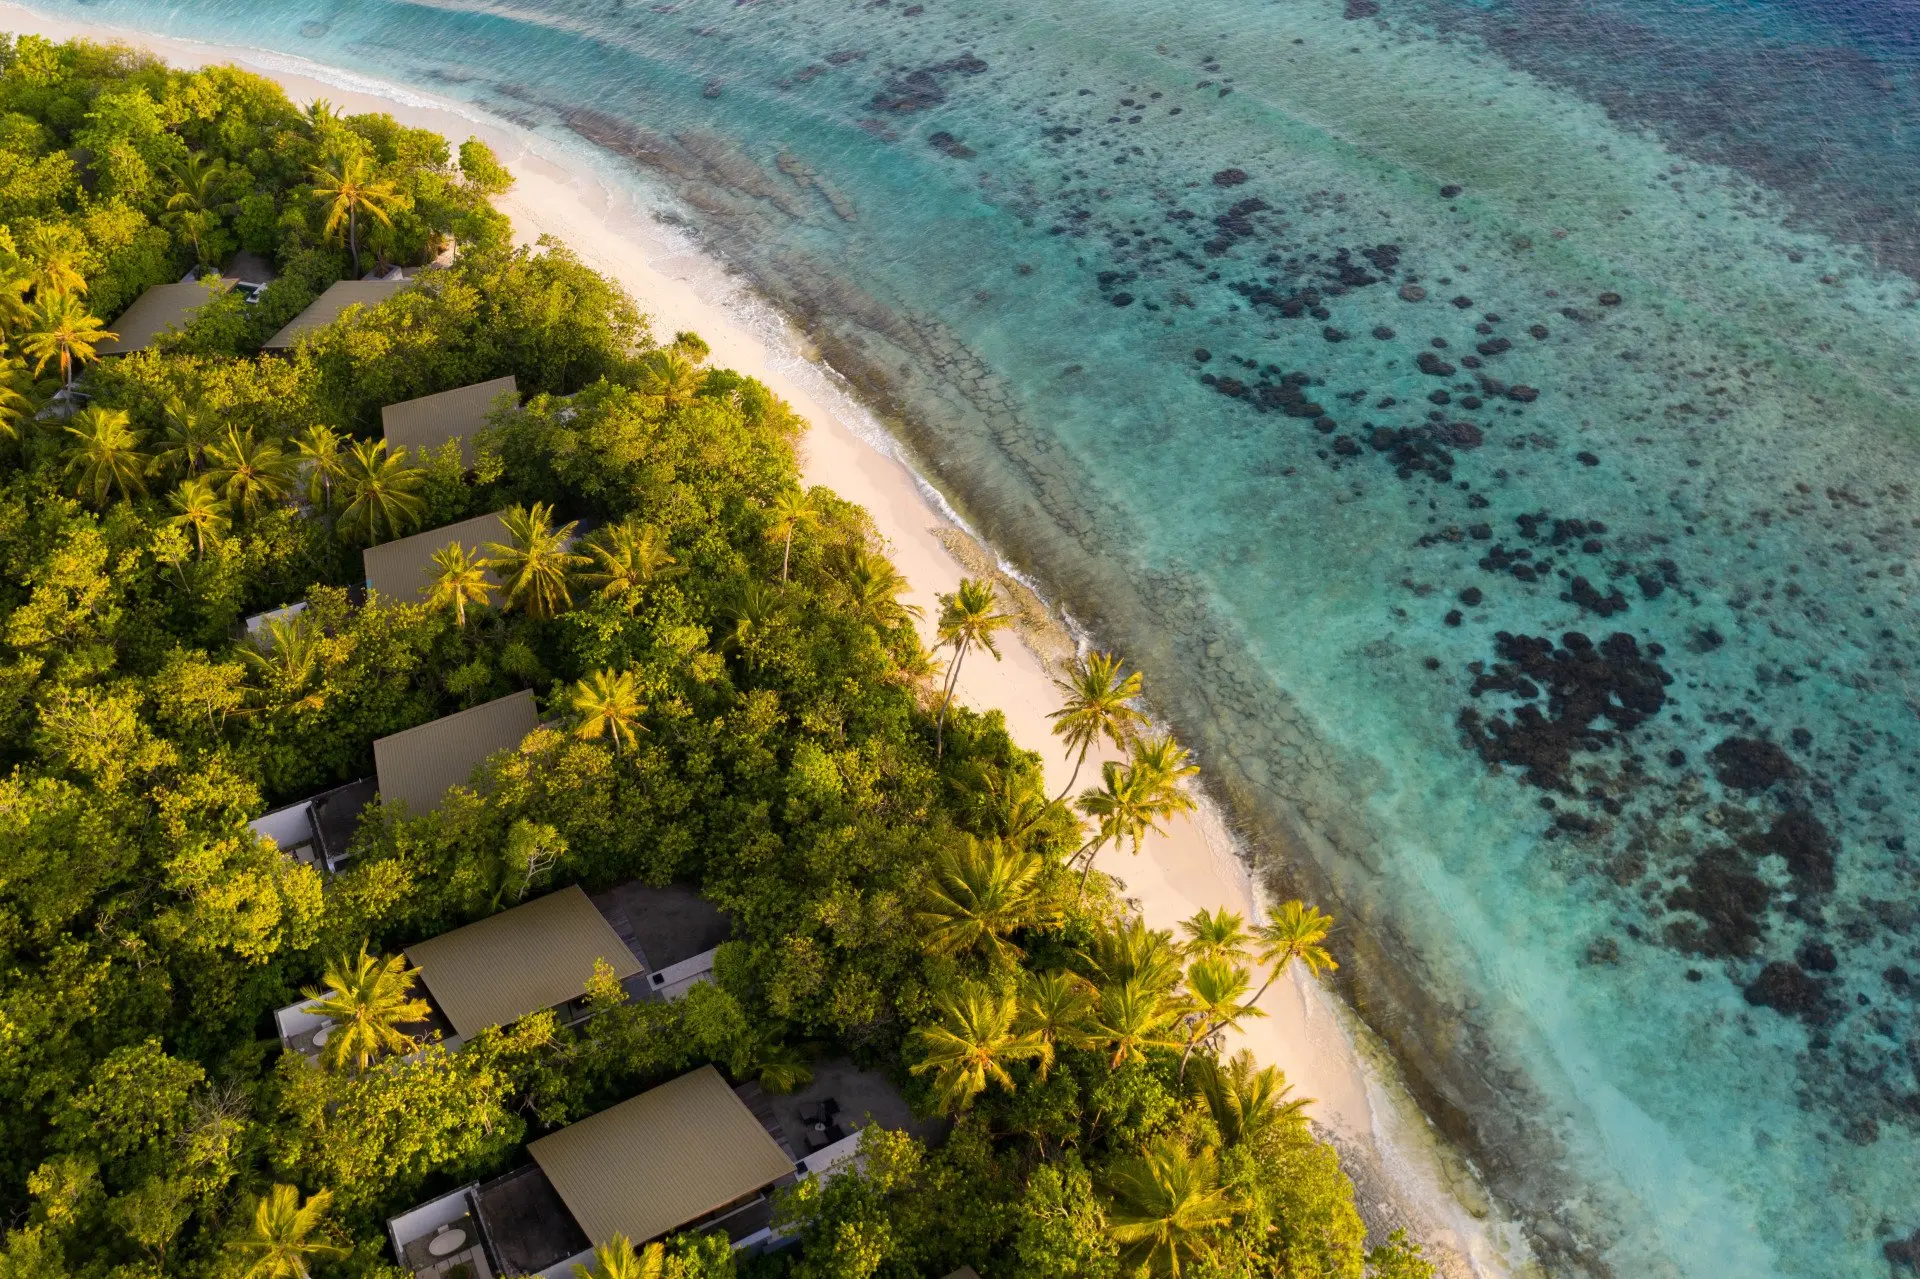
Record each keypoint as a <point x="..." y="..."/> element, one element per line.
<point x="1123" y="807"/>
<point x="283" y="1236"/>
<point x="59" y="327"/>
<point x="608" y="704"/>
<point x="56" y="263"/>
<point x="627" y="558"/>
<point x="197" y="510"/>
<point x="1100" y="692"/>
<point x="617" y="1258"/>
<point x="972" y="1045"/>
<point x="368" y="1000"/>
<point x="792" y="511"/>
<point x="349" y="189"/>
<point x="251" y="474"/>
<point x="1216" y="1002"/>
<point x="382" y="491"/>
<point x="969" y="617"/>
<point x="457" y="580"/>
<point x="1294" y="931"/>
<point x="534" y="564"/>
<point x="196" y="203"/>
<point x="104" y="455"/>
<point x="1216" y="934"/>
<point x="1166" y="1204"/>
<point x="977" y="894"/>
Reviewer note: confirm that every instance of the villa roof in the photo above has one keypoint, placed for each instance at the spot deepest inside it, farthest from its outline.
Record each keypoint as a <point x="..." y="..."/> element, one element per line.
<point x="661" y="1160"/>
<point x="162" y="307"/>
<point x="417" y="766"/>
<point x="402" y="569"/>
<point x="537" y="955"/>
<point x="430" y="421"/>
<point x="326" y="308"/>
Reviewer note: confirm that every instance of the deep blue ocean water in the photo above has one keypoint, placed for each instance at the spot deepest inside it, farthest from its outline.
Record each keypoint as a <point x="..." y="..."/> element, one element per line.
<point x="1492" y="426"/>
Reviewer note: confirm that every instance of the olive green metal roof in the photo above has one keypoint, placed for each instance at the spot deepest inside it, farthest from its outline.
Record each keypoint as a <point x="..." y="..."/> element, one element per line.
<point x="403" y="569"/>
<point x="661" y="1160"/>
<point x="326" y="308"/>
<point x="430" y="421"/>
<point x="162" y="307"/>
<point x="417" y="766"/>
<point x="537" y="955"/>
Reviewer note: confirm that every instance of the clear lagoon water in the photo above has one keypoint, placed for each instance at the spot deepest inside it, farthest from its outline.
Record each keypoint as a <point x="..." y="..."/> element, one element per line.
<point x="1494" y="426"/>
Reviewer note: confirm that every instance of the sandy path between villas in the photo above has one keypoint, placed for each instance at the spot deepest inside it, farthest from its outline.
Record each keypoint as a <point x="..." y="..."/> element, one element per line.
<point x="1402" y="1175"/>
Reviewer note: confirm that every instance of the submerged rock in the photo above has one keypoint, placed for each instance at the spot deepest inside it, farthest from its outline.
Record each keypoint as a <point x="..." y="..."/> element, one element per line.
<point x="1750" y="764"/>
<point x="1787" y="988"/>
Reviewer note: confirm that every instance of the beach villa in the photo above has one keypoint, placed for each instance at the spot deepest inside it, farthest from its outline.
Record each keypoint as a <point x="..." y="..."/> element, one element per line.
<point x="690" y="1155"/>
<point x="417" y="766"/>
<point x="164" y="308"/>
<point x="540" y="955"/>
<point x="326" y="308"/>
<point x="401" y="569"/>
<point x="425" y="424"/>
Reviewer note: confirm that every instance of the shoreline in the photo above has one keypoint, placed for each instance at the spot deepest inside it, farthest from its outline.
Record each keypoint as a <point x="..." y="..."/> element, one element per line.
<point x="1404" y="1174"/>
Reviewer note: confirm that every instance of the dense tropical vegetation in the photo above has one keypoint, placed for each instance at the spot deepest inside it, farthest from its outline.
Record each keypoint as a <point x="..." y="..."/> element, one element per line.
<point x="743" y="703"/>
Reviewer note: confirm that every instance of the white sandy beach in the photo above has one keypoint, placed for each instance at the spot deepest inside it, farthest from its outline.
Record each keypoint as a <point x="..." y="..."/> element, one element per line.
<point x="1402" y="1174"/>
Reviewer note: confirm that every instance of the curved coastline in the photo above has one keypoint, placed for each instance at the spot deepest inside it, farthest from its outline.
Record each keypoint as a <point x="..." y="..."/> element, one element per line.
<point x="1308" y="801"/>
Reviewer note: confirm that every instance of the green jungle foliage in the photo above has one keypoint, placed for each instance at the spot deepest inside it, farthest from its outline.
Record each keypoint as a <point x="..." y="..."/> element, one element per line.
<point x="739" y="700"/>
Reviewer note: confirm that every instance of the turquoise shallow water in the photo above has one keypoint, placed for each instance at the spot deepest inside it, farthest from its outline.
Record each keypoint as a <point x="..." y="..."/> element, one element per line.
<point x="1651" y="949"/>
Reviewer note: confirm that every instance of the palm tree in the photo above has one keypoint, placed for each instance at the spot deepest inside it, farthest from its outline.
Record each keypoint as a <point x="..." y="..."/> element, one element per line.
<point x="1249" y="1104"/>
<point x="534" y="564"/>
<point x="59" y="326"/>
<point x="608" y="704"/>
<point x="457" y="581"/>
<point x="979" y="892"/>
<point x="1136" y="1016"/>
<point x="1100" y="693"/>
<point x="320" y="452"/>
<point x="1216" y="999"/>
<point x="1010" y="802"/>
<point x="1217" y="934"/>
<point x="16" y="410"/>
<point x="188" y="432"/>
<point x="1058" y="1006"/>
<point x="368" y="1000"/>
<point x="281" y="1240"/>
<point x="1292" y="932"/>
<point x="351" y="188"/>
<point x="382" y="491"/>
<point x="1134" y="952"/>
<point x="56" y="268"/>
<point x="873" y="587"/>
<point x="617" y="1259"/>
<point x="1166" y="763"/>
<point x="627" y="558"/>
<point x="1167" y="1202"/>
<point x="669" y="377"/>
<point x="195" y="202"/>
<point x="1123" y="808"/>
<point x="967" y="618"/>
<point x="754" y="611"/>
<point x="197" y="510"/>
<point x="286" y="658"/>
<point x="792" y="510"/>
<point x="105" y="455"/>
<point x="250" y="473"/>
<point x="973" y="1044"/>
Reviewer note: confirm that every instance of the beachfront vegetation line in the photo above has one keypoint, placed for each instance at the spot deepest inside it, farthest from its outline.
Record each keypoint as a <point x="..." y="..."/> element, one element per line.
<point x="735" y="698"/>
